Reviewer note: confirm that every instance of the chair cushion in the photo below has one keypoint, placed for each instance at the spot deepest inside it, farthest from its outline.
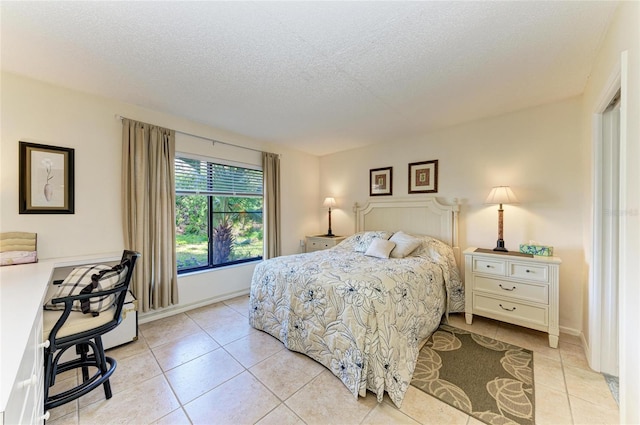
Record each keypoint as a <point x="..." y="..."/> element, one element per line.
<point x="75" y="323"/>
<point x="79" y="278"/>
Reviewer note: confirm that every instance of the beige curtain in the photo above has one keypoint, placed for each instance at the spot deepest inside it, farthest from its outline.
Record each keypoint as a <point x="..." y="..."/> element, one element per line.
<point x="271" y="176"/>
<point x="148" y="189"/>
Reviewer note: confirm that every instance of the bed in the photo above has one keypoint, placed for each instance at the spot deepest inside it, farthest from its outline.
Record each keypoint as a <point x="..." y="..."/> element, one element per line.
<point x="364" y="317"/>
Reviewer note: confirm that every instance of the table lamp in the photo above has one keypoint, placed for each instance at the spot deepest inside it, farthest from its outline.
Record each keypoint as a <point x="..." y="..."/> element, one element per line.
<point x="501" y="195"/>
<point x="329" y="202"/>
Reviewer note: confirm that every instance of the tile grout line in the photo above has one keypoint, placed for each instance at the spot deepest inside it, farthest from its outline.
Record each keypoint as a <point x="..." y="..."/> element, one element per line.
<point x="220" y="346"/>
<point x="282" y="402"/>
<point x="164" y="373"/>
<point x="245" y="369"/>
<point x="166" y="378"/>
<point x="566" y="387"/>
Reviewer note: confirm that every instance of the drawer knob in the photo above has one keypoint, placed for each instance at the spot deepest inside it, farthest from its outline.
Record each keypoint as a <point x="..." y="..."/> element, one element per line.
<point x="506" y="289"/>
<point x="528" y="271"/>
<point x="488" y="266"/>
<point x="506" y="309"/>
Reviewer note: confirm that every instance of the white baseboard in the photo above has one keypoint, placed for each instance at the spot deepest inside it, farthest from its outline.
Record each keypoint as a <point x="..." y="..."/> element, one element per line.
<point x="152" y="315"/>
<point x="571" y="331"/>
<point x="587" y="352"/>
<point x="583" y="342"/>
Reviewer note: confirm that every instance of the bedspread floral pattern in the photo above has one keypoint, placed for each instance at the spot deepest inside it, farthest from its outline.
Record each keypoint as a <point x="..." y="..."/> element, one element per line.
<point x="361" y="317"/>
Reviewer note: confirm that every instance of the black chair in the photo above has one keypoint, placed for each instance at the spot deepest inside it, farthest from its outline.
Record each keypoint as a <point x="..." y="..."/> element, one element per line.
<point x="84" y="332"/>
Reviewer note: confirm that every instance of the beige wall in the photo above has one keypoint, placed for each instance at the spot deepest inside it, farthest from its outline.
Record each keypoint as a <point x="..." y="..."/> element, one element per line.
<point x="623" y="36"/>
<point x="41" y="113"/>
<point x="535" y="151"/>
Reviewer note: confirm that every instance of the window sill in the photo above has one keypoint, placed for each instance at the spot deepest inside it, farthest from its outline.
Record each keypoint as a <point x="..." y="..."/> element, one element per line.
<point x="213" y="270"/>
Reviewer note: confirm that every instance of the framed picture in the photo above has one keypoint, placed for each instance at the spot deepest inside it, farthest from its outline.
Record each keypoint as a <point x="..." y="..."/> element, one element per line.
<point x="381" y="181"/>
<point x="423" y="177"/>
<point x="46" y="179"/>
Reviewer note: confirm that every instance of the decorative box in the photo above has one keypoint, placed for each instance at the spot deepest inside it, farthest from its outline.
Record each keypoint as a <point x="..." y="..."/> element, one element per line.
<point x="544" y="250"/>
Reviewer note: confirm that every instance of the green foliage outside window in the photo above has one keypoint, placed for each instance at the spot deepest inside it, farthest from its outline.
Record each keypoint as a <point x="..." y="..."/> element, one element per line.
<point x="236" y="230"/>
<point x="218" y="214"/>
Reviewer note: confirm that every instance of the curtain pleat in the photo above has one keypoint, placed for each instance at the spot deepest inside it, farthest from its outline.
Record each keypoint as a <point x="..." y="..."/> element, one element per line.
<point x="271" y="175"/>
<point x="148" y="154"/>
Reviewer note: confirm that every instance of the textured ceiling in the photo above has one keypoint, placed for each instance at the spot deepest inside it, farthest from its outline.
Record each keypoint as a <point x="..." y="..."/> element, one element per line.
<point x="319" y="76"/>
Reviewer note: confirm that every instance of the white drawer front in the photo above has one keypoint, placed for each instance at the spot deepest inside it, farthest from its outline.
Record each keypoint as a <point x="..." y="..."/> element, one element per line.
<point x="319" y="245"/>
<point x="516" y="290"/>
<point x="488" y="266"/>
<point x="533" y="272"/>
<point x="25" y="402"/>
<point x="510" y="311"/>
<point x="313" y="245"/>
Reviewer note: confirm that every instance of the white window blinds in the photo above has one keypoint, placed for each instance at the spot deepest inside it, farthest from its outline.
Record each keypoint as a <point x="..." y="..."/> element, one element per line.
<point x="195" y="176"/>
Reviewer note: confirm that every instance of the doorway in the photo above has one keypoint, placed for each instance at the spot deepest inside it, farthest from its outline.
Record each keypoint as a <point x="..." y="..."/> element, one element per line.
<point x="610" y="234"/>
<point x="606" y="234"/>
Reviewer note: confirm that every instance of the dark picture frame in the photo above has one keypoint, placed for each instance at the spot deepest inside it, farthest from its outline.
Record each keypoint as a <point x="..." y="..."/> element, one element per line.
<point x="423" y="177"/>
<point x="381" y="181"/>
<point x="46" y="179"/>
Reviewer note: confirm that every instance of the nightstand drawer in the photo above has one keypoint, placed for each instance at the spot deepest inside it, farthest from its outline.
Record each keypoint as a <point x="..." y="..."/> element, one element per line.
<point x="489" y="266"/>
<point x="318" y="243"/>
<point x="517" y="290"/>
<point x="315" y="245"/>
<point x="534" y="272"/>
<point x="510" y="311"/>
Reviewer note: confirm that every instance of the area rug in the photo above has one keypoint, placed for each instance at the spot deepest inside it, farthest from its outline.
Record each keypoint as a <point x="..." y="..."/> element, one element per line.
<point x="487" y="379"/>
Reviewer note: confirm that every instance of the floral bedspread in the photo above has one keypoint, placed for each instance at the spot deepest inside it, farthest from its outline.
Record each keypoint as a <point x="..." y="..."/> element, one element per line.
<point x="363" y="318"/>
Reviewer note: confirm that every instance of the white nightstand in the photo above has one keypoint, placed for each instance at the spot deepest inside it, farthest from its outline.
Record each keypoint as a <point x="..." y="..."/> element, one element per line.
<point x="320" y="242"/>
<point x="514" y="288"/>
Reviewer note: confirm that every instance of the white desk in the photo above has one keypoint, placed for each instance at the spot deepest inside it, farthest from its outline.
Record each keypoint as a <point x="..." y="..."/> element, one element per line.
<point x="22" y="291"/>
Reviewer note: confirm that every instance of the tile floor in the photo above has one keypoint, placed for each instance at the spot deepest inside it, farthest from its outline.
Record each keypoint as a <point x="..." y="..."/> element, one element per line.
<point x="208" y="366"/>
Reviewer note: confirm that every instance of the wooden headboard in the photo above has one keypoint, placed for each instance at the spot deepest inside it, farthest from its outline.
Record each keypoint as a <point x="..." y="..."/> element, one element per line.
<point x="420" y="216"/>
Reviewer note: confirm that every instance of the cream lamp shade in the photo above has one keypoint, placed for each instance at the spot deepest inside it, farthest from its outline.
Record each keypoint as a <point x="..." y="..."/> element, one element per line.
<point x="329" y="202"/>
<point x="501" y="195"/>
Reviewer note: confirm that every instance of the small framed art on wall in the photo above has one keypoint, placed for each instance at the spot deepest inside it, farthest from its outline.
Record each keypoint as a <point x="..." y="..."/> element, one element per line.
<point x="46" y="180"/>
<point x="381" y="181"/>
<point x="423" y="177"/>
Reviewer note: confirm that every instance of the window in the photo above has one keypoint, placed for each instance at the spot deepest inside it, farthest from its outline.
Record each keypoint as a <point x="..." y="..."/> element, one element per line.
<point x="218" y="214"/>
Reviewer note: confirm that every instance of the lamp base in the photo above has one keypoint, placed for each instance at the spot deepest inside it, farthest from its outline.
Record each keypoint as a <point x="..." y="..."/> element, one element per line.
<point x="500" y="246"/>
<point x="330" y="235"/>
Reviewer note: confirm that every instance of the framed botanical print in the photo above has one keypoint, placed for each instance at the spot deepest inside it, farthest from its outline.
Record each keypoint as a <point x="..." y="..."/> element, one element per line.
<point x="46" y="180"/>
<point x="381" y="181"/>
<point x="423" y="177"/>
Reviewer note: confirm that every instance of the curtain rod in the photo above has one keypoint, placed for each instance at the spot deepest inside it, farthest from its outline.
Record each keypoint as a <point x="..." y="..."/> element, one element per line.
<point x="209" y="139"/>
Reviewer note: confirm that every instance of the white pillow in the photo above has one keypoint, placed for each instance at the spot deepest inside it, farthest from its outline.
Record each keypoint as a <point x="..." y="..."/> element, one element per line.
<point x="405" y="244"/>
<point x="380" y="248"/>
<point x="363" y="240"/>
